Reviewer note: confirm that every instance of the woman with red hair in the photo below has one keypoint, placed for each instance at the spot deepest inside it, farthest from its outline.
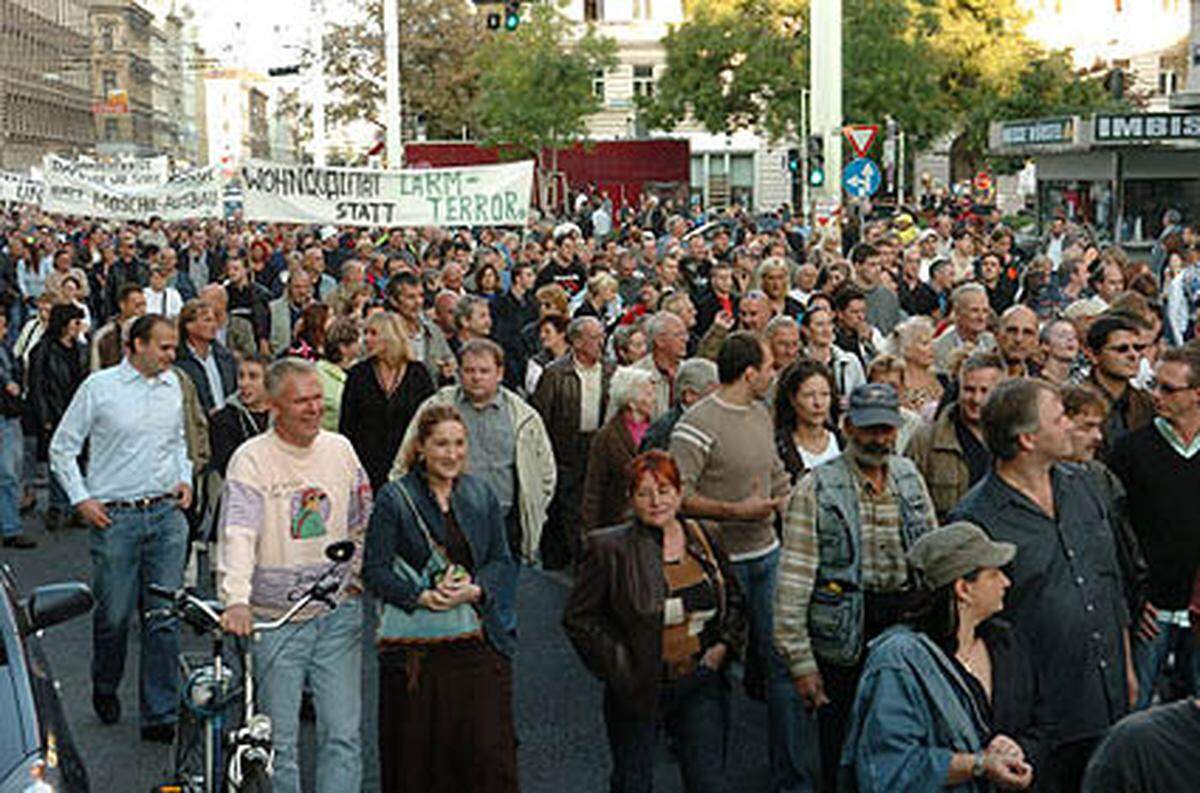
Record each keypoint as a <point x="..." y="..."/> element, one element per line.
<point x="657" y="615"/>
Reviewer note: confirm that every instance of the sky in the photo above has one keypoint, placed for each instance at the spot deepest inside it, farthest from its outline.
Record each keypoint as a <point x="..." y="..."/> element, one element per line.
<point x="269" y="32"/>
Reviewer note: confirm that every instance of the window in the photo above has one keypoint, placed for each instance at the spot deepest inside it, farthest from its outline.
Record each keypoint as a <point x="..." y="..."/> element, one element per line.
<point x="643" y="81"/>
<point x="110" y="129"/>
<point x="106" y="36"/>
<point x="593" y="10"/>
<point x="109" y="83"/>
<point x="1168" y="83"/>
<point x="598" y="84"/>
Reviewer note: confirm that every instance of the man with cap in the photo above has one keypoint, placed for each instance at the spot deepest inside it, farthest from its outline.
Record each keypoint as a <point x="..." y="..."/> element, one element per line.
<point x="1067" y="597"/>
<point x="920" y="720"/>
<point x="843" y="572"/>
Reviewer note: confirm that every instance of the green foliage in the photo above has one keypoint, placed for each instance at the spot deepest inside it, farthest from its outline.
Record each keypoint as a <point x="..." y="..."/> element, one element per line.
<point x="936" y="66"/>
<point x="437" y="41"/>
<point x="535" y="83"/>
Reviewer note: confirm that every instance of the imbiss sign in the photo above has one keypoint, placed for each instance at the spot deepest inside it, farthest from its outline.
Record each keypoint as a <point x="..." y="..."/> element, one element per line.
<point x="1146" y="128"/>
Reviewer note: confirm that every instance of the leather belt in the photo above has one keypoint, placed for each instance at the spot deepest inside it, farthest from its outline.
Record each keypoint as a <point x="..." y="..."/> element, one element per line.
<point x="140" y="503"/>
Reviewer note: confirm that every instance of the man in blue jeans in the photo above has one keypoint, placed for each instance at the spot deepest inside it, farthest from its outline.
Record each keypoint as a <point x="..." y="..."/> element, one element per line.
<point x="289" y="493"/>
<point x="136" y="488"/>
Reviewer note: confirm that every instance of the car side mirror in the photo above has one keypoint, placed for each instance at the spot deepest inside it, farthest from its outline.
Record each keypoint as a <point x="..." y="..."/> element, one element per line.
<point x="51" y="604"/>
<point x="339" y="551"/>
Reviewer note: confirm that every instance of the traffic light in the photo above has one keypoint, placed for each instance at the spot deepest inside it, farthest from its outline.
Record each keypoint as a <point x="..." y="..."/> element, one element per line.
<point x="512" y="14"/>
<point x="816" y="160"/>
<point x="793" y="162"/>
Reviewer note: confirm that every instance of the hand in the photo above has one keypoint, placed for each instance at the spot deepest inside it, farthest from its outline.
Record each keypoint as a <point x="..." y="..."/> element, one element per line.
<point x="1006" y="747"/>
<point x="714" y="657"/>
<point x="812" y="690"/>
<point x="183" y="494"/>
<point x="1007" y="773"/>
<point x="13" y="389"/>
<point x="238" y="620"/>
<point x="724" y="319"/>
<point x="434" y="600"/>
<point x="94" y="513"/>
<point x="1148" y="623"/>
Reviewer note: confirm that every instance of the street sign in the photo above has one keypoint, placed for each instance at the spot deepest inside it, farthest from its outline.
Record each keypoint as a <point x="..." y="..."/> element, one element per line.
<point x="982" y="182"/>
<point x="860" y="137"/>
<point x="861" y="178"/>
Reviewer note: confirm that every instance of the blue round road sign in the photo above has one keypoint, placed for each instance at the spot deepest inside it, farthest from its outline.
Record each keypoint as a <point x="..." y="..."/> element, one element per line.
<point x="861" y="178"/>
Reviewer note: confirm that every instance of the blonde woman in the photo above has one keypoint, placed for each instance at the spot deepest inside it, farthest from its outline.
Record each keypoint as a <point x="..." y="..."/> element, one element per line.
<point x="914" y="343"/>
<point x="381" y="395"/>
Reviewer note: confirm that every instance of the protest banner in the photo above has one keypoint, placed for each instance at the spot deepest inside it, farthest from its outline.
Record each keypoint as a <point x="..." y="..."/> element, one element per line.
<point x="188" y="195"/>
<point x="20" y="189"/>
<point x="124" y="174"/>
<point x="480" y="195"/>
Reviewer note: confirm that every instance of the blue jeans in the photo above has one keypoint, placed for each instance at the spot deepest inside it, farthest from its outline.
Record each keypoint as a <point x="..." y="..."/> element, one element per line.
<point x="325" y="652"/>
<point x="1149" y="657"/>
<point x="141" y="547"/>
<point x="695" y="712"/>
<point x="12" y="459"/>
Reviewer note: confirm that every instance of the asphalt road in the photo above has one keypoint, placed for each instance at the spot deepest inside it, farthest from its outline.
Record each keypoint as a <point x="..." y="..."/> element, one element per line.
<point x="559" y="722"/>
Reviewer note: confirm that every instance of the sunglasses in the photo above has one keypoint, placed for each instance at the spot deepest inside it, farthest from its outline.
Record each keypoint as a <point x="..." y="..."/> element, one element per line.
<point x="1121" y="349"/>
<point x="1167" y="388"/>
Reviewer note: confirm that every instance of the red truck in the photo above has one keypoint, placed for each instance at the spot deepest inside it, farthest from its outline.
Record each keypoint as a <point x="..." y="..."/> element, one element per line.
<point x="620" y="169"/>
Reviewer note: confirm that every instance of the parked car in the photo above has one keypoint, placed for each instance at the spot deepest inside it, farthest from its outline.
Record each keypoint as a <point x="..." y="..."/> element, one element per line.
<point x="37" y="754"/>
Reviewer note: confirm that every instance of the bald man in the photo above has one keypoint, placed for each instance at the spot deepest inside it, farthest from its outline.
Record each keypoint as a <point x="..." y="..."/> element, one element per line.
<point x="1018" y="341"/>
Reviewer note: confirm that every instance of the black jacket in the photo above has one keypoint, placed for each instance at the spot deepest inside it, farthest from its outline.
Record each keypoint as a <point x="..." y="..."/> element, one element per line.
<point x="374" y="421"/>
<point x="55" y="373"/>
<point x="229" y="428"/>
<point x="226" y="365"/>
<point x="614" y="614"/>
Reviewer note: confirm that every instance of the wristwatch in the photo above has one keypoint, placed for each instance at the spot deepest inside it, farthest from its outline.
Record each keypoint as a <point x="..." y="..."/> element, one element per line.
<point x="977" y="769"/>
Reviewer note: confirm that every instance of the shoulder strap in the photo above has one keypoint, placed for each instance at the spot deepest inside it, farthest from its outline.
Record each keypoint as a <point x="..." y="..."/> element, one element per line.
<point x="434" y="546"/>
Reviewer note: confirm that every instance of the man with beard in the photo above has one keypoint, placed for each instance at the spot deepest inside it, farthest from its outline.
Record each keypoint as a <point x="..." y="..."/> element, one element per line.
<point x="843" y="577"/>
<point x="1066" y="595"/>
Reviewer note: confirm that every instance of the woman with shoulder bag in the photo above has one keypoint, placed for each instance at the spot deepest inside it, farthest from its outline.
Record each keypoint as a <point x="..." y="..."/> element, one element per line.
<point x="657" y="615"/>
<point x="437" y="557"/>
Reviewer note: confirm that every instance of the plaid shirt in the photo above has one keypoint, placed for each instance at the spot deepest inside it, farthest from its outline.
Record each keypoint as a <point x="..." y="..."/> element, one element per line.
<point x="884" y="565"/>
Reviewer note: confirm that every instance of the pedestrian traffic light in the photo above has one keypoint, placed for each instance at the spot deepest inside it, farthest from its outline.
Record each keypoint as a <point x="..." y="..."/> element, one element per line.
<point x="793" y="161"/>
<point x="816" y="160"/>
<point x="512" y="14"/>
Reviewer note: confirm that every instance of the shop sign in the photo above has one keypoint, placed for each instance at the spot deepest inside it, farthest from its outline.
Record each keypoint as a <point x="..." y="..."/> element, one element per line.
<point x="1146" y="127"/>
<point x="1038" y="132"/>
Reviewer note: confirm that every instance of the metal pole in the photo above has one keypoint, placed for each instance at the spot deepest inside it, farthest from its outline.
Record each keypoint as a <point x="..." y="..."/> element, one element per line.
<point x="391" y="55"/>
<point x="317" y="9"/>
<point x="900" y="173"/>
<point x="805" y="208"/>
<point x="825" y="69"/>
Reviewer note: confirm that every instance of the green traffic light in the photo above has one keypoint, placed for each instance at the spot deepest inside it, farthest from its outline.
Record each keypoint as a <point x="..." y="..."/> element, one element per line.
<point x="816" y="177"/>
<point x="511" y="20"/>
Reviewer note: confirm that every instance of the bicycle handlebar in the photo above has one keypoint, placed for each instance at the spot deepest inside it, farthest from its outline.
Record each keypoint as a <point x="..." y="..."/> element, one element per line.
<point x="320" y="590"/>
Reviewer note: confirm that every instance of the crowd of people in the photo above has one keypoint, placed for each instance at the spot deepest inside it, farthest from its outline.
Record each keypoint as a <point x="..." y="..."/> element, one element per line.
<point x="921" y="489"/>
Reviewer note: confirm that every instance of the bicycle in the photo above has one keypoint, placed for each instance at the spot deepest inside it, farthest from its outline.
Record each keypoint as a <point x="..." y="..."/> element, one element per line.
<point x="208" y="757"/>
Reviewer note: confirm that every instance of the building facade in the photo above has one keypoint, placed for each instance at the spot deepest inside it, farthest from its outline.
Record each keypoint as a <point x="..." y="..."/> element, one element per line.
<point x="123" y="78"/>
<point x="45" y="83"/>
<point x="237" y="117"/>
<point x="743" y="167"/>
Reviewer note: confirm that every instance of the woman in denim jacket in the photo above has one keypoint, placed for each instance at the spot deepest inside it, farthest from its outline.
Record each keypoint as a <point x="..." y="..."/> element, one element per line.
<point x="923" y="714"/>
<point x="445" y="704"/>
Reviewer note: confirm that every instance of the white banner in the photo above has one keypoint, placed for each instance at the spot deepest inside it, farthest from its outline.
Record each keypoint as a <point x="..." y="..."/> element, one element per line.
<point x="188" y="195"/>
<point x="481" y="195"/>
<point x="124" y="174"/>
<point x="21" y="189"/>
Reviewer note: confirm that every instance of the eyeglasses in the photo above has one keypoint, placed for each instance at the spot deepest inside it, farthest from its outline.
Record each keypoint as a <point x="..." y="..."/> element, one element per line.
<point x="1121" y="349"/>
<point x="1167" y="388"/>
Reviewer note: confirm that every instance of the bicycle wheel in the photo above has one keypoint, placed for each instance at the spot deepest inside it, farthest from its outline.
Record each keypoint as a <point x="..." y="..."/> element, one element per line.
<point x="188" y="751"/>
<point x="255" y="778"/>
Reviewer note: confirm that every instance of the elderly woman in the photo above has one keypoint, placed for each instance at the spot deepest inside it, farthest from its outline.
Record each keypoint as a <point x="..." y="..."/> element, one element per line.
<point x="774" y="277"/>
<point x="629" y="344"/>
<point x="922" y="389"/>
<point x="656" y="614"/>
<point x="606" y="484"/>
<point x="947" y="698"/>
<point x="437" y="558"/>
<point x="804" y="399"/>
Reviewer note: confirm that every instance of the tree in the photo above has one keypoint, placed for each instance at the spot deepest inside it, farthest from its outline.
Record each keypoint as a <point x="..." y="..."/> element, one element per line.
<point x="936" y="66"/>
<point x="535" y="87"/>
<point x="438" y="80"/>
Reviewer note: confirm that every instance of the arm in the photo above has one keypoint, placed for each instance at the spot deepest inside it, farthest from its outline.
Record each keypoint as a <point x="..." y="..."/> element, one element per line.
<point x="496" y="572"/>
<point x="593" y="487"/>
<point x="243" y="511"/>
<point x="798" y="562"/>
<point x="1177" y="310"/>
<point x="587" y="622"/>
<point x="380" y="547"/>
<point x="67" y="444"/>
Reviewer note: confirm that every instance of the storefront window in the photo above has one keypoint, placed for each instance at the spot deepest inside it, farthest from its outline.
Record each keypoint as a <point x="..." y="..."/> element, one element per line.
<point x="1146" y="200"/>
<point x="1086" y="202"/>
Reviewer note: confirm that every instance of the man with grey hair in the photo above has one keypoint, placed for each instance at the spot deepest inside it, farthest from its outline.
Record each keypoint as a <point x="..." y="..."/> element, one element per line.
<point x="668" y="337"/>
<point x="472" y="319"/>
<point x="969" y="303"/>
<point x="783" y="337"/>
<point x="572" y="399"/>
<point x="696" y="379"/>
<point x="1066" y="595"/>
<point x="288" y="494"/>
